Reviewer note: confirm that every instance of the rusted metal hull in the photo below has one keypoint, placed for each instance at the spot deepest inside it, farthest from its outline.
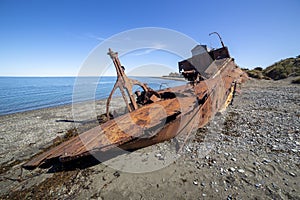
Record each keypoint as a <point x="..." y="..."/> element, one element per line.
<point x="192" y="107"/>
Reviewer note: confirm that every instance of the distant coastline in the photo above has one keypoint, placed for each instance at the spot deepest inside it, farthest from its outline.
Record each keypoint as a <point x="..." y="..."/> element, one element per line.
<point x="172" y="78"/>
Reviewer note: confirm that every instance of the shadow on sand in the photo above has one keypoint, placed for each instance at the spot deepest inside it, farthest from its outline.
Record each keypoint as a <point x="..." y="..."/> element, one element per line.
<point x="55" y="165"/>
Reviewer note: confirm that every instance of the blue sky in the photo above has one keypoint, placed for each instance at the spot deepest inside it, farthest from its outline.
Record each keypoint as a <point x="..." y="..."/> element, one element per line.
<point x="53" y="38"/>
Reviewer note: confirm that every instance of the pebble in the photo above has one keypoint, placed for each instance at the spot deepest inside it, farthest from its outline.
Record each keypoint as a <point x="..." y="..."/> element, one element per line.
<point x="274" y="147"/>
<point x="195" y="182"/>
<point x="161" y="158"/>
<point x="232" y="169"/>
<point x="158" y="155"/>
<point x="256" y="164"/>
<point x="116" y="174"/>
<point x="292" y="174"/>
<point x="188" y="149"/>
<point x="294" y="150"/>
<point x="233" y="159"/>
<point x="275" y="186"/>
<point x="257" y="185"/>
<point x="265" y="160"/>
<point x="241" y="170"/>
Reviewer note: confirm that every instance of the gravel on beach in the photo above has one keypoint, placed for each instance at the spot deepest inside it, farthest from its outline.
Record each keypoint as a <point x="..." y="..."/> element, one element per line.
<point x="249" y="151"/>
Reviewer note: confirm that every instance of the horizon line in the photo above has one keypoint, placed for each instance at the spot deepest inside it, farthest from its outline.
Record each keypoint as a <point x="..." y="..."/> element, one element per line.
<point x="35" y="76"/>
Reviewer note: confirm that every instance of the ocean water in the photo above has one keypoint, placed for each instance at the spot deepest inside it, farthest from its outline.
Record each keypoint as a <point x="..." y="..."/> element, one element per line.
<point x="18" y="94"/>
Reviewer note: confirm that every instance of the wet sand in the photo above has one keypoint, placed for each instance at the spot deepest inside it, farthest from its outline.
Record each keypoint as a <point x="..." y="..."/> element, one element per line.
<point x="249" y="151"/>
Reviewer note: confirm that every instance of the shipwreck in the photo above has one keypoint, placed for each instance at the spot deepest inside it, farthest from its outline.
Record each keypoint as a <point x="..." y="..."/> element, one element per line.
<point x="156" y="116"/>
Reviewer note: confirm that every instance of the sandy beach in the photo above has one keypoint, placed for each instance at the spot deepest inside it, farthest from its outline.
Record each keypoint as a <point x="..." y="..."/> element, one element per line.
<point x="249" y="151"/>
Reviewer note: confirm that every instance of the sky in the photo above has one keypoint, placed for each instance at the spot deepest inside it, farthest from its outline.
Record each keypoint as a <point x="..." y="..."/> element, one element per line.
<point x="55" y="37"/>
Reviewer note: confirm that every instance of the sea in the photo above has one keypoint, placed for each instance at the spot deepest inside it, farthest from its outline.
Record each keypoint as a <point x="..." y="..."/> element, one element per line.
<point x="19" y="94"/>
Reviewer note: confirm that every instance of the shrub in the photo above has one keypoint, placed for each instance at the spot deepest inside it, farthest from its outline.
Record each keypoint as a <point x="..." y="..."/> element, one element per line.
<point x="255" y="74"/>
<point x="258" y="68"/>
